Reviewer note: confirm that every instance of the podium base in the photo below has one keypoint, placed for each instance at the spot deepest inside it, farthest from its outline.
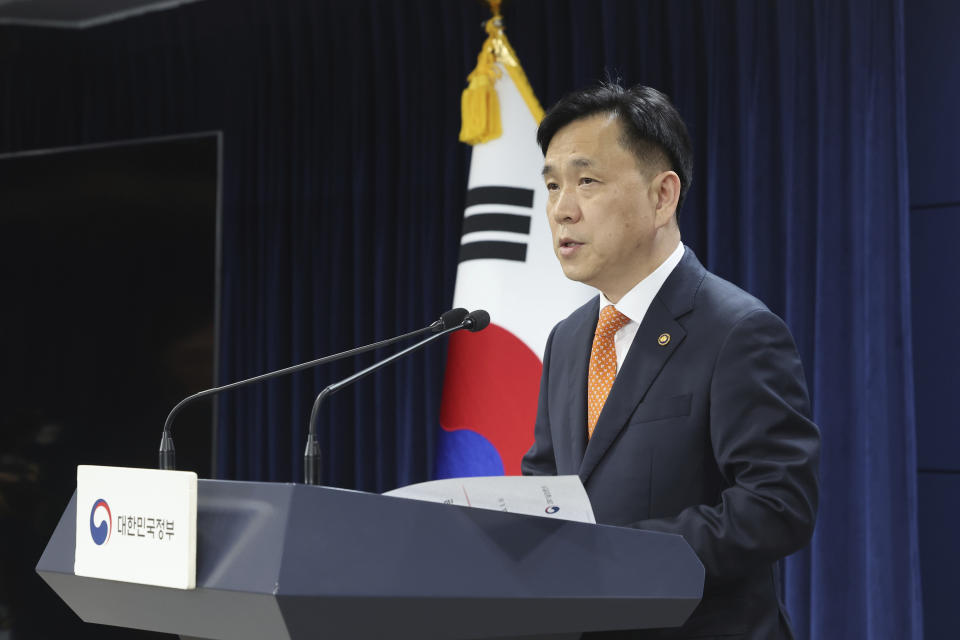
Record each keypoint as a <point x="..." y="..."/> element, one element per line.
<point x="294" y="562"/>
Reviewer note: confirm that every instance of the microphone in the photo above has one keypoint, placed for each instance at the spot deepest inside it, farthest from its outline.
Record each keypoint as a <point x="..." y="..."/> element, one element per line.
<point x="476" y="321"/>
<point x="447" y="320"/>
<point x="451" y="318"/>
<point x="473" y="321"/>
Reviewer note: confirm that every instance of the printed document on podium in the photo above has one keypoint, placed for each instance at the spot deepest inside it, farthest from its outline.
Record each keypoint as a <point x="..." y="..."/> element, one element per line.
<point x="559" y="497"/>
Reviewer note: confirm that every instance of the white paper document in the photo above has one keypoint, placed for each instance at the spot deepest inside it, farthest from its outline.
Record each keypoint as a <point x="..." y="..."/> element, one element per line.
<point x="560" y="497"/>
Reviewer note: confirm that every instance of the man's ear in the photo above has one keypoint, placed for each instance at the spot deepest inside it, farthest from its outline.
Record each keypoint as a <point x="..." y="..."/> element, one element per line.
<point x="667" y="189"/>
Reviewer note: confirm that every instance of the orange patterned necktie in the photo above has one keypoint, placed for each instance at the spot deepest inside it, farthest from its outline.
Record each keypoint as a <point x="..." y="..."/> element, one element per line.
<point x="603" y="363"/>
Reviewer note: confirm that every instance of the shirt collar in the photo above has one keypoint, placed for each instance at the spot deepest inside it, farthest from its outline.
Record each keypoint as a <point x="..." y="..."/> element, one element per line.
<point x="634" y="303"/>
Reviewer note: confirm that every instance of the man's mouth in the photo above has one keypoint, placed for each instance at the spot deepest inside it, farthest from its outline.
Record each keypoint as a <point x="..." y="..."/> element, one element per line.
<point x="568" y="247"/>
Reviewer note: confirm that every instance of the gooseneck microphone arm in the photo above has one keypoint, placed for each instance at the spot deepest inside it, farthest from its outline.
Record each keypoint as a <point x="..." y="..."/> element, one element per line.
<point x="474" y="321"/>
<point x="454" y="317"/>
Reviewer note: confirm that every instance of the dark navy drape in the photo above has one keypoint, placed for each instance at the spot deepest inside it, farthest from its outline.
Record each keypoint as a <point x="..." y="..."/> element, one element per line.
<point x="343" y="192"/>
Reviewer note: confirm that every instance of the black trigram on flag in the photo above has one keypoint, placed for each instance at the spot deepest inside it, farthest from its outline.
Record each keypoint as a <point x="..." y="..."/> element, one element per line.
<point x="487" y="220"/>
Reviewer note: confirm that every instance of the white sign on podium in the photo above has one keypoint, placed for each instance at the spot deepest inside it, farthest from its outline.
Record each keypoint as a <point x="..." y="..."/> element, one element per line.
<point x="137" y="525"/>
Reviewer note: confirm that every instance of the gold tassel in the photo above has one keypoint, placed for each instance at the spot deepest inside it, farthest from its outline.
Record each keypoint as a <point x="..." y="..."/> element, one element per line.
<point x="479" y="104"/>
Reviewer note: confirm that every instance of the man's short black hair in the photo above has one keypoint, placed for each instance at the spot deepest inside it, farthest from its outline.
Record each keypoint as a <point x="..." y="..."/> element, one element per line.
<point x="653" y="129"/>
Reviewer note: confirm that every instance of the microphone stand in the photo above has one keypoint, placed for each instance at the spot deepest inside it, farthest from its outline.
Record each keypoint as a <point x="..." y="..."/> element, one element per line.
<point x="167" y="451"/>
<point x="475" y="321"/>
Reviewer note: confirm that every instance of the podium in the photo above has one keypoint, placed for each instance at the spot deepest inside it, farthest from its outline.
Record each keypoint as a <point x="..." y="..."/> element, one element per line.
<point x="278" y="561"/>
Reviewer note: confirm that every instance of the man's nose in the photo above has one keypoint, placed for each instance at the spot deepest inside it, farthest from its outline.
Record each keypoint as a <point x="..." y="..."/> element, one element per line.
<point x="566" y="209"/>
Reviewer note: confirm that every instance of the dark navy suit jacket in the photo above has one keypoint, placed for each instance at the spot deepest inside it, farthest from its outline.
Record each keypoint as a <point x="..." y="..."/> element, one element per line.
<point x="706" y="434"/>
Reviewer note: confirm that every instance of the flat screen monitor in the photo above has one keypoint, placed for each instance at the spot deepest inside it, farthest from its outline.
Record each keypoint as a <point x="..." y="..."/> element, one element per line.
<point x="108" y="309"/>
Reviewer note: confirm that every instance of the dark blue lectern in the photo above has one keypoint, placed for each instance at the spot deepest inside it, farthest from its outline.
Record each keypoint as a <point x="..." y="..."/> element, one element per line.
<point x="280" y="561"/>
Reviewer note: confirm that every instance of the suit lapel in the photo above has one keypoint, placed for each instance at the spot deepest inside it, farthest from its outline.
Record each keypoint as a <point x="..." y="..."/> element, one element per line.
<point x="575" y="412"/>
<point x="645" y="360"/>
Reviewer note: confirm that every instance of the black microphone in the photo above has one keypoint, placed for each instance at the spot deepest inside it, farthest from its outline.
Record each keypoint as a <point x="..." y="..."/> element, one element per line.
<point x="452" y="318"/>
<point x="473" y="321"/>
<point x="476" y="321"/>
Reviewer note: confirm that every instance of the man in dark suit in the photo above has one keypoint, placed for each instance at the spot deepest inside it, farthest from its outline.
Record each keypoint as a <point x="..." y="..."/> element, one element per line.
<point x="678" y="398"/>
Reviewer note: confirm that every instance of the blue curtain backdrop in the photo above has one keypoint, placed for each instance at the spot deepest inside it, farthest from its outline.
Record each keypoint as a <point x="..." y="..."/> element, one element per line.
<point x="343" y="191"/>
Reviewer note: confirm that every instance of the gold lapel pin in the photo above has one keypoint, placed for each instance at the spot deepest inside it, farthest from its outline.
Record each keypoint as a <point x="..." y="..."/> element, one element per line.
<point x="664" y="339"/>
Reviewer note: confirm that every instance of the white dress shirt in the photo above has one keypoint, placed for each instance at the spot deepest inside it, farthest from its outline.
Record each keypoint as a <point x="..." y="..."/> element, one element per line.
<point x="634" y="303"/>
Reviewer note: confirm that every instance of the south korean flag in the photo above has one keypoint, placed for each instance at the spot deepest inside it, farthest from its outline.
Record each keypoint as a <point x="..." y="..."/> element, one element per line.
<point x="508" y="267"/>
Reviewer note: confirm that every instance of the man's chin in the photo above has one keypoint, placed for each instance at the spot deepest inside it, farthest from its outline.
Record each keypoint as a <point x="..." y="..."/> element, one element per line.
<point x="577" y="275"/>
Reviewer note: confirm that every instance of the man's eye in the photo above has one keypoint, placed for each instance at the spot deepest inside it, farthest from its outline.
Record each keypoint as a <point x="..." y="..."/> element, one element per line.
<point x="587" y="180"/>
<point x="552" y="186"/>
